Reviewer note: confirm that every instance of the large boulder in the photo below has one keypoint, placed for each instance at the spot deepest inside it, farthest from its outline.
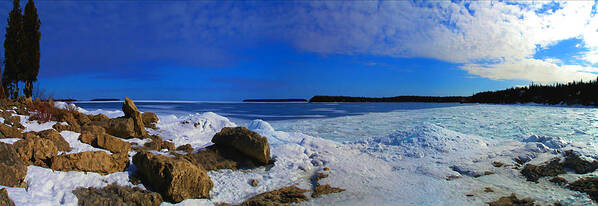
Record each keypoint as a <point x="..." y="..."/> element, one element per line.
<point x="245" y="141"/>
<point x="69" y="118"/>
<point x="91" y="161"/>
<point x="4" y="199"/>
<point x="56" y="138"/>
<point x="121" y="127"/>
<point x="12" y="168"/>
<point x="9" y="132"/>
<point x="116" y="195"/>
<point x="149" y="119"/>
<point x="132" y="112"/>
<point x="106" y="141"/>
<point x="175" y="179"/>
<point x="35" y="150"/>
<point x="99" y="117"/>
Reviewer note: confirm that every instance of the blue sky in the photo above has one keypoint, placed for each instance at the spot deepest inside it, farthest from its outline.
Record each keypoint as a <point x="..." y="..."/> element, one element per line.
<point x="233" y="50"/>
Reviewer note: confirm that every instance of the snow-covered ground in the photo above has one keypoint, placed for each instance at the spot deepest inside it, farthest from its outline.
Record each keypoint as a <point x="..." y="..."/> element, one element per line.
<point x="402" y="157"/>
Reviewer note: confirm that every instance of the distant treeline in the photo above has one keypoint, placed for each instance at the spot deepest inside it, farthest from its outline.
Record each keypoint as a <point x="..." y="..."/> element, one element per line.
<point x="582" y="93"/>
<point x="275" y="100"/>
<point x="387" y="99"/>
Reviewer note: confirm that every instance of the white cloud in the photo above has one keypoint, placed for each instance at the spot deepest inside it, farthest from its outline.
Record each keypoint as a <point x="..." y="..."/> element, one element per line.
<point x="535" y="70"/>
<point x="506" y="34"/>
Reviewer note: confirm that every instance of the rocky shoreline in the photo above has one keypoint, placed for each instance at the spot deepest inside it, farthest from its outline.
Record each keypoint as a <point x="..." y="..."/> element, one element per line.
<point x="170" y="174"/>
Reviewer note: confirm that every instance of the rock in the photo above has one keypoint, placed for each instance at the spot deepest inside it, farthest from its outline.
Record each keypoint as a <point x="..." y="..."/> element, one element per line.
<point x="91" y="161"/>
<point x="254" y="182"/>
<point x="4" y="199"/>
<point x="69" y="118"/>
<point x="320" y="190"/>
<point x="56" y="138"/>
<point x="9" y="132"/>
<point x="12" y="168"/>
<point x="121" y="127"/>
<point x="14" y="121"/>
<point x="106" y="141"/>
<point x="213" y="159"/>
<point x="186" y="148"/>
<point x="290" y="195"/>
<point x="99" y="117"/>
<point x="488" y="189"/>
<point x="149" y="119"/>
<point x="61" y="127"/>
<point x="132" y="112"/>
<point x="35" y="150"/>
<point x="533" y="173"/>
<point x="93" y="129"/>
<point x="83" y="119"/>
<point x="116" y="195"/>
<point x="175" y="179"/>
<point x="574" y="162"/>
<point x="497" y="164"/>
<point x="157" y="144"/>
<point x="559" y="181"/>
<point x="245" y="141"/>
<point x="511" y="201"/>
<point x="588" y="185"/>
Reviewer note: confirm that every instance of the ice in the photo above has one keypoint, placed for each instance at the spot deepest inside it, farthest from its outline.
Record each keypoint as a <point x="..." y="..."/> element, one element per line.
<point x="195" y="129"/>
<point x="47" y="187"/>
<point x="408" y="157"/>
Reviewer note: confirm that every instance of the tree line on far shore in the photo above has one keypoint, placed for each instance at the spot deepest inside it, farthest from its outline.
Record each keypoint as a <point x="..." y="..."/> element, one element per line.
<point x="572" y="93"/>
<point x="21" y="51"/>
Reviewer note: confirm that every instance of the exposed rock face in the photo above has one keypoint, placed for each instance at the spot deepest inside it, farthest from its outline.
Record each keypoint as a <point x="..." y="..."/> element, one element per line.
<point x="284" y="196"/>
<point x="117" y="196"/>
<point x="185" y="148"/>
<point x="97" y="137"/>
<point x="12" y="168"/>
<point x="157" y="144"/>
<point x="9" y="132"/>
<point x="4" y="199"/>
<point x="175" y="179"/>
<point x="121" y="127"/>
<point x="91" y="161"/>
<point x="574" y="162"/>
<point x="56" y="138"/>
<point x="35" y="150"/>
<point x="99" y="117"/>
<point x="533" y="173"/>
<point x="69" y="118"/>
<point x="559" y="181"/>
<point x="555" y="167"/>
<point x="512" y="200"/>
<point x="14" y="121"/>
<point x="588" y="185"/>
<point x="106" y="141"/>
<point x="132" y="112"/>
<point x="245" y="141"/>
<point x="149" y="119"/>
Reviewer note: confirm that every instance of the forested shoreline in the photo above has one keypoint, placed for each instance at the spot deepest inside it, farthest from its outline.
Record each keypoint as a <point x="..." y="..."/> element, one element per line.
<point x="572" y="93"/>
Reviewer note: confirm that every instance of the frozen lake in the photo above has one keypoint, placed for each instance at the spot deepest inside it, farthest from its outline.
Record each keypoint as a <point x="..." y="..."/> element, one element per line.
<point x="381" y="153"/>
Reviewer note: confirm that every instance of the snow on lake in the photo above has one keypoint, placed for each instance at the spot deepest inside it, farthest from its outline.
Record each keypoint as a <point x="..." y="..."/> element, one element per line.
<point x="383" y="154"/>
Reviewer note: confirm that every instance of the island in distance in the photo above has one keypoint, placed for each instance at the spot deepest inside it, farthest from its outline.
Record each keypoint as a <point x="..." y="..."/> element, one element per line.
<point x="275" y="100"/>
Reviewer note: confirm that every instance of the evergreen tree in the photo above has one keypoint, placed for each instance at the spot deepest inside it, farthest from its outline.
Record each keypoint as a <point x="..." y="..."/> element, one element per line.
<point x="31" y="38"/>
<point x="13" y="51"/>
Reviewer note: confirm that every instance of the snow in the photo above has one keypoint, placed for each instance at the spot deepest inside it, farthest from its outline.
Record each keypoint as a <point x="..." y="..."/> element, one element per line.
<point x="195" y="129"/>
<point x="76" y="145"/>
<point x="47" y="187"/>
<point x="404" y="157"/>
